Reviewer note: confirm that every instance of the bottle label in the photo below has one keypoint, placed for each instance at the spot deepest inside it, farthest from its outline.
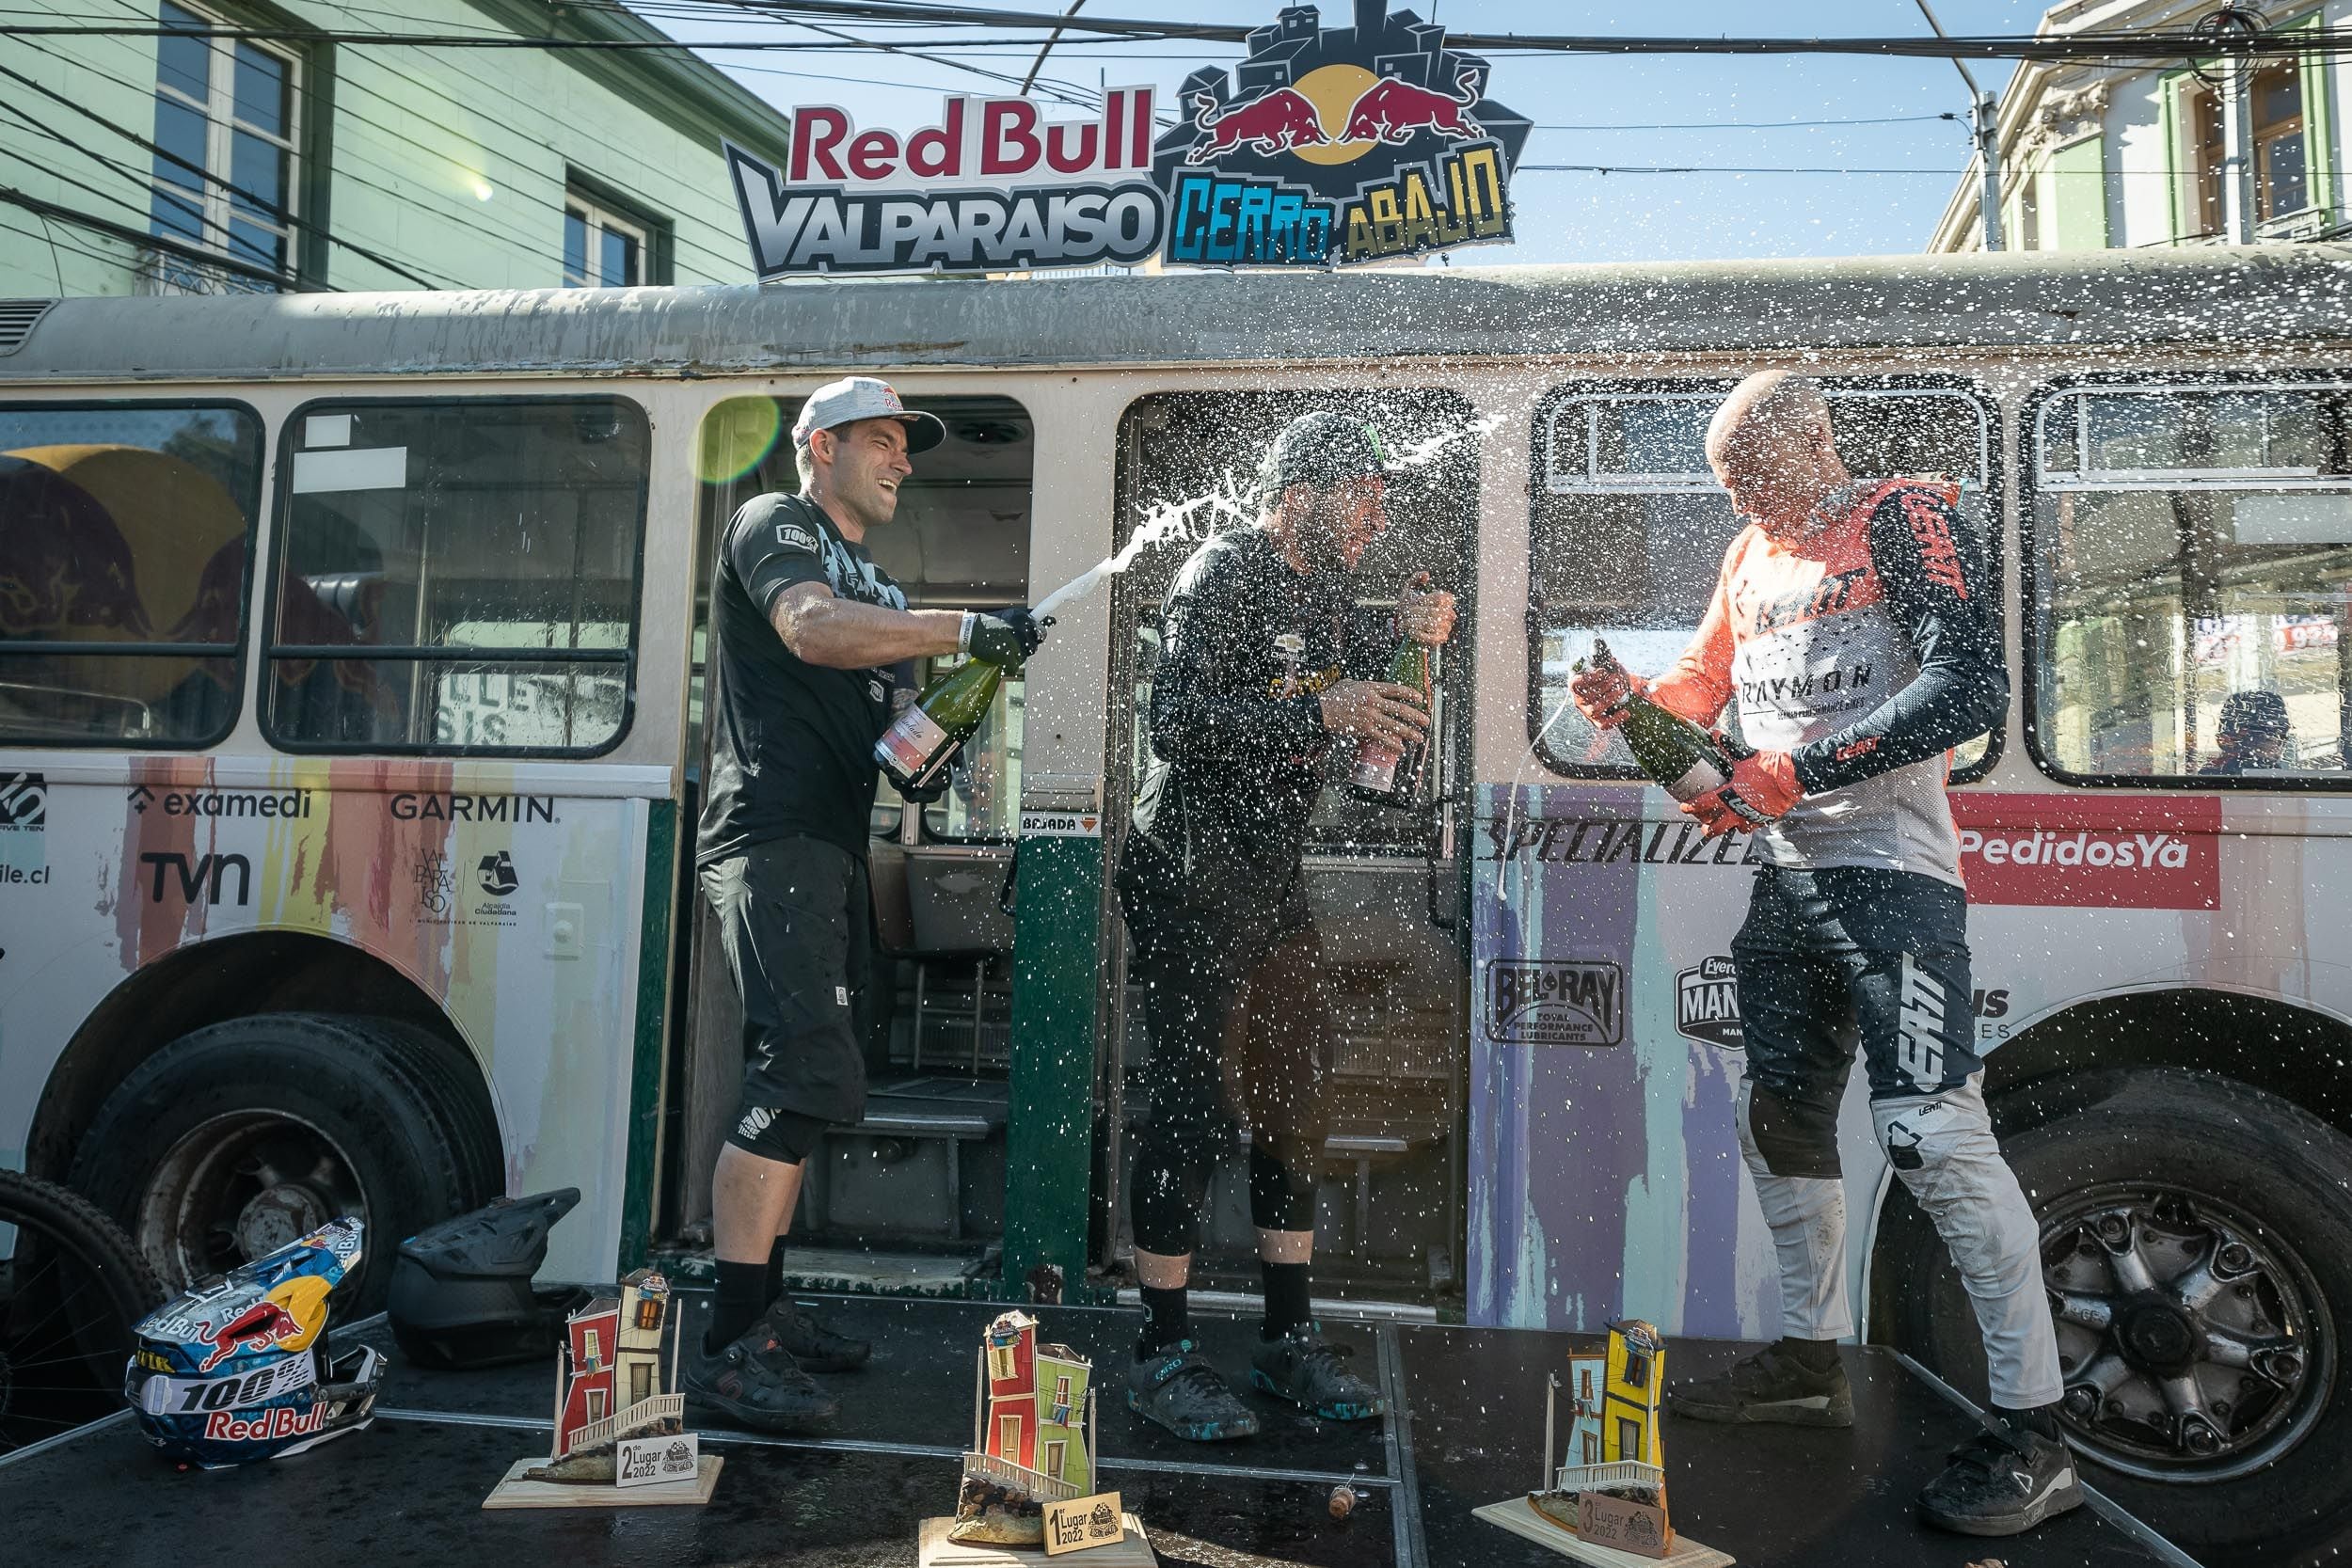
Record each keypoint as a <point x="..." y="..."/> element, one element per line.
<point x="909" y="746"/>
<point x="1702" y="777"/>
<point x="1375" y="767"/>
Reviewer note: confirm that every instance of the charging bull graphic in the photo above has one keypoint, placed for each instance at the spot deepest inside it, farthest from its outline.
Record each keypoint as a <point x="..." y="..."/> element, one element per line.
<point x="1392" y="111"/>
<point x="257" y="1327"/>
<point x="1270" y="123"/>
<point x="1324" y="147"/>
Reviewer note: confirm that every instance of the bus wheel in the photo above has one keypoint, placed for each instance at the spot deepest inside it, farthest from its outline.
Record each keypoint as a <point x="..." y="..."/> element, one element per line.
<point x="2198" y="1252"/>
<point x="234" y="1140"/>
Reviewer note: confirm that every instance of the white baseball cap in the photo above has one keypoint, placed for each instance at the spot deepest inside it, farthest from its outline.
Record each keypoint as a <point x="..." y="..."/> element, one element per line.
<point x="865" y="397"/>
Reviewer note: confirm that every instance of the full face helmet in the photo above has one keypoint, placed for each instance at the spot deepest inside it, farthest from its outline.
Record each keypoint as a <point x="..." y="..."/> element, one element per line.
<point x="237" y="1367"/>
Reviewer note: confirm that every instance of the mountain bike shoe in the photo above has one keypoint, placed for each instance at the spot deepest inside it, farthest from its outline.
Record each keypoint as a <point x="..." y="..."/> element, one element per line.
<point x="1310" y="1371"/>
<point x="754" y="1382"/>
<point x="1177" y="1389"/>
<point x="1773" y="1386"/>
<point x="816" y="1348"/>
<point x="2002" y="1482"/>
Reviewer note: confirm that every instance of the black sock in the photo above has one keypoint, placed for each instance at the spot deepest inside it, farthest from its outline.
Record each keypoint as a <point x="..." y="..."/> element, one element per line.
<point x="2041" y="1420"/>
<point x="1286" y="1304"/>
<point x="774" y="1286"/>
<point x="1814" y="1355"/>
<point x="738" y="1304"/>
<point x="1166" y="1320"/>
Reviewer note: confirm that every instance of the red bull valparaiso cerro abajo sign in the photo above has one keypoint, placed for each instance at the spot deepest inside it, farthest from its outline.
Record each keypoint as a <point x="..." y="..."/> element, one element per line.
<point x="1325" y="146"/>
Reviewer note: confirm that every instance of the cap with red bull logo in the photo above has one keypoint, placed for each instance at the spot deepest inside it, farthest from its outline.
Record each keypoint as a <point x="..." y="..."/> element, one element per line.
<point x="237" y="1369"/>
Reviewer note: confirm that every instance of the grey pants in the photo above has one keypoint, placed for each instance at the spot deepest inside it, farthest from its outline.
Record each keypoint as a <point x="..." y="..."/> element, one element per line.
<point x="1831" y="956"/>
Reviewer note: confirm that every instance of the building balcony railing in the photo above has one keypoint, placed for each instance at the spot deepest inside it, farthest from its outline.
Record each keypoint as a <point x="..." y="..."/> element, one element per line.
<point x="644" y="1413"/>
<point x="1037" y="1483"/>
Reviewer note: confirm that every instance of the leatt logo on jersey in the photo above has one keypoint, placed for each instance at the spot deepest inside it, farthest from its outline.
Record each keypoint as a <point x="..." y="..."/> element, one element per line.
<point x="1835" y="592"/>
<point x="1554" y="1002"/>
<point x="1937" y="553"/>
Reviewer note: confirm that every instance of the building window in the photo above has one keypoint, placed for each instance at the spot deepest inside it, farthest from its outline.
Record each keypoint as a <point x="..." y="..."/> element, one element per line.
<point x="2280" y="185"/>
<point x="1629" y="1439"/>
<point x="2279" y="154"/>
<point x="602" y="249"/>
<point x="596" y="1405"/>
<point x="227" y="107"/>
<point x="594" y="1349"/>
<point x="648" y="1312"/>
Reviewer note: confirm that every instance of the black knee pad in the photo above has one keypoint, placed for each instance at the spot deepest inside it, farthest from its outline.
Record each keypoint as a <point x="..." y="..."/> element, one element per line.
<point x="1282" y="1184"/>
<point x="775" y="1134"/>
<point x="1793" y="1137"/>
<point x="1165" y="1193"/>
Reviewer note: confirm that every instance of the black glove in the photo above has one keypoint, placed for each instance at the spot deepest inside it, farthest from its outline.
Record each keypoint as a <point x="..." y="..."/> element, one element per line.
<point x="923" y="795"/>
<point x="1004" y="637"/>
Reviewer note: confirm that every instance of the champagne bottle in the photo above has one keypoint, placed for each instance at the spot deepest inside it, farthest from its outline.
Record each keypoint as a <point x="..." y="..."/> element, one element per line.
<point x="1386" y="774"/>
<point x="923" y="740"/>
<point x="1683" y="759"/>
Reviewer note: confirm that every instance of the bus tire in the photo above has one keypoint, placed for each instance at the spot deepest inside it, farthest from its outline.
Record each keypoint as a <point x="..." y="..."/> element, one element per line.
<point x="2232" y="1200"/>
<point x="240" y="1137"/>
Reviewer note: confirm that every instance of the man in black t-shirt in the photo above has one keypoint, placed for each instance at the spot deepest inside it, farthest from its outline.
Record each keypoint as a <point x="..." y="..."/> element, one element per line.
<point x="1264" y="656"/>
<point x="804" y="630"/>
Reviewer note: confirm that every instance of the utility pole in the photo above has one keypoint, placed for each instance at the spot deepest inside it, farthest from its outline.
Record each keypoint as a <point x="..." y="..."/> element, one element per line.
<point x="1984" y="113"/>
<point x="2237" y="144"/>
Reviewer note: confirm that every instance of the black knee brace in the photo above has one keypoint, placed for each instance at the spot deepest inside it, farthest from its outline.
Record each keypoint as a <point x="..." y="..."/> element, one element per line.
<point x="1283" y="1182"/>
<point x="1164" y="1195"/>
<point x="1793" y="1137"/>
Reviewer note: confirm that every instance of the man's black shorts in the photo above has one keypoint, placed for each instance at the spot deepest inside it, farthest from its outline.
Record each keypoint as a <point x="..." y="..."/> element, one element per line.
<point x="795" y="919"/>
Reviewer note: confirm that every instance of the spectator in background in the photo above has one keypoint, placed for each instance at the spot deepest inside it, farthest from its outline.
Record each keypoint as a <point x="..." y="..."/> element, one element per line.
<point x="2253" y="738"/>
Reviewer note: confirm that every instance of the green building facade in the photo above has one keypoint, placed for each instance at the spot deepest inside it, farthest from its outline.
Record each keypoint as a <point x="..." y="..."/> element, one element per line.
<point x="202" y="161"/>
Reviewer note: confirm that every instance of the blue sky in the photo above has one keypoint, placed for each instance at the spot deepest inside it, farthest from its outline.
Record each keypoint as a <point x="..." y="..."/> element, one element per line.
<point x="1565" y="216"/>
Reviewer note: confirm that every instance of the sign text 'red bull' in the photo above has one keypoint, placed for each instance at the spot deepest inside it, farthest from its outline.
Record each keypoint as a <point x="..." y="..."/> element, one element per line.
<point x="1325" y="146"/>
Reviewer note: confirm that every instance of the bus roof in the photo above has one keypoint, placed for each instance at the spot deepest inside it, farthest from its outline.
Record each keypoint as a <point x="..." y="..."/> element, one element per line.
<point x="2265" y="296"/>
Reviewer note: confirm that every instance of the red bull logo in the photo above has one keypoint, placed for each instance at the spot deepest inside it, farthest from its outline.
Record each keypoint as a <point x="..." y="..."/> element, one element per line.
<point x="260" y="1326"/>
<point x="272" y="1425"/>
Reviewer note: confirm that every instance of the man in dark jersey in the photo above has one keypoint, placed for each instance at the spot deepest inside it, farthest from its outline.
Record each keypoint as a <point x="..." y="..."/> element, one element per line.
<point x="1261" y="669"/>
<point x="1855" y="627"/>
<point x="805" y="630"/>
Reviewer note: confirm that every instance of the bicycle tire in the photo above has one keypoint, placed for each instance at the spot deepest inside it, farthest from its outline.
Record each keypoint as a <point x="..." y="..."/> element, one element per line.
<point x="72" y="1288"/>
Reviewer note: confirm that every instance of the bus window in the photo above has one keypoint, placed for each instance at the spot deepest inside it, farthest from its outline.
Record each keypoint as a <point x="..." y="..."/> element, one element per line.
<point x="2192" y="549"/>
<point x="457" y="576"/>
<point x="1629" y="529"/>
<point x="123" y="538"/>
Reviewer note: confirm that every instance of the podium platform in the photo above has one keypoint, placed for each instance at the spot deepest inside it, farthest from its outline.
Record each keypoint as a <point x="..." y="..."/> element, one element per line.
<point x="1465" y="1428"/>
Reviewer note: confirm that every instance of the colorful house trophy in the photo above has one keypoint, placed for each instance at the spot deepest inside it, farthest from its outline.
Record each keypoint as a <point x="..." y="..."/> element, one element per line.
<point x="620" y="1430"/>
<point x="1606" y="1504"/>
<point x="1030" y="1473"/>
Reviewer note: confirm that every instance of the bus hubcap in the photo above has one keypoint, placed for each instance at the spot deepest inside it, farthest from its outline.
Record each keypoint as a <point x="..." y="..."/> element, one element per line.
<point x="239" y="1187"/>
<point x="2186" y="1334"/>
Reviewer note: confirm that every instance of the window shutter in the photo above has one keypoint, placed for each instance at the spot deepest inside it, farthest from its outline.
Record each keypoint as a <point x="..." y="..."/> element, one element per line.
<point x="2074" y="196"/>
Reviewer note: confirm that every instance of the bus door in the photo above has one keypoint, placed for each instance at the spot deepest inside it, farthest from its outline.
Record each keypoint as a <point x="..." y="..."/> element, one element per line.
<point x="923" y="1177"/>
<point x="1381" y="882"/>
<point x="1605" y="1175"/>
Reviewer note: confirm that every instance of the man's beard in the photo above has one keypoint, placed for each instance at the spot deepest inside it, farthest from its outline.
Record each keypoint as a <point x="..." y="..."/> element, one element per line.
<point x="1319" y="540"/>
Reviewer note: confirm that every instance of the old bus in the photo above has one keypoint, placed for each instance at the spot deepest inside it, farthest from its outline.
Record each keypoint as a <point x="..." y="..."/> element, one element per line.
<point x="350" y="697"/>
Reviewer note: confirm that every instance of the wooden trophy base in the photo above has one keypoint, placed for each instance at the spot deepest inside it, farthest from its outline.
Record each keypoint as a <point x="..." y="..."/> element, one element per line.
<point x="514" y="1492"/>
<point x="1519" y="1517"/>
<point x="934" y="1550"/>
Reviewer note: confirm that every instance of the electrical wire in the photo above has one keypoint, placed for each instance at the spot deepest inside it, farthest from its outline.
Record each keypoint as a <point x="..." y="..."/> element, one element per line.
<point x="10" y="196"/>
<point x="278" y="213"/>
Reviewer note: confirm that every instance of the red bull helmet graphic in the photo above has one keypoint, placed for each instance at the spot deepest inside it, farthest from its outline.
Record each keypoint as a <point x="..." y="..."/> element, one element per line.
<point x="237" y="1369"/>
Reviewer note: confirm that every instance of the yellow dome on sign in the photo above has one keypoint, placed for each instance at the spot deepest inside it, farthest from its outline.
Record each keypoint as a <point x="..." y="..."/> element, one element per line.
<point x="1333" y="90"/>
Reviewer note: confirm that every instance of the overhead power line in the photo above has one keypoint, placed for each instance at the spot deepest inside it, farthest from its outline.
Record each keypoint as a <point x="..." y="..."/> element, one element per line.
<point x="11" y="196"/>
<point x="2138" y="46"/>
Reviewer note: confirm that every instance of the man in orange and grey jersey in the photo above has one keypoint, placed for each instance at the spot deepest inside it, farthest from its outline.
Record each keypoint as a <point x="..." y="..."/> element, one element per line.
<point x="1855" y="631"/>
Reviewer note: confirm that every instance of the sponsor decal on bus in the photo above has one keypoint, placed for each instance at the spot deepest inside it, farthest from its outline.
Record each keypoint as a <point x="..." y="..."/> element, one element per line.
<point x="1707" y="1004"/>
<point x="1597" y="840"/>
<point x="473" y="808"/>
<point x="2113" y="853"/>
<point x="1554" y="1002"/>
<point x="204" y="876"/>
<point x="1327" y="146"/>
<point x="23" y="842"/>
<point x="231" y="804"/>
